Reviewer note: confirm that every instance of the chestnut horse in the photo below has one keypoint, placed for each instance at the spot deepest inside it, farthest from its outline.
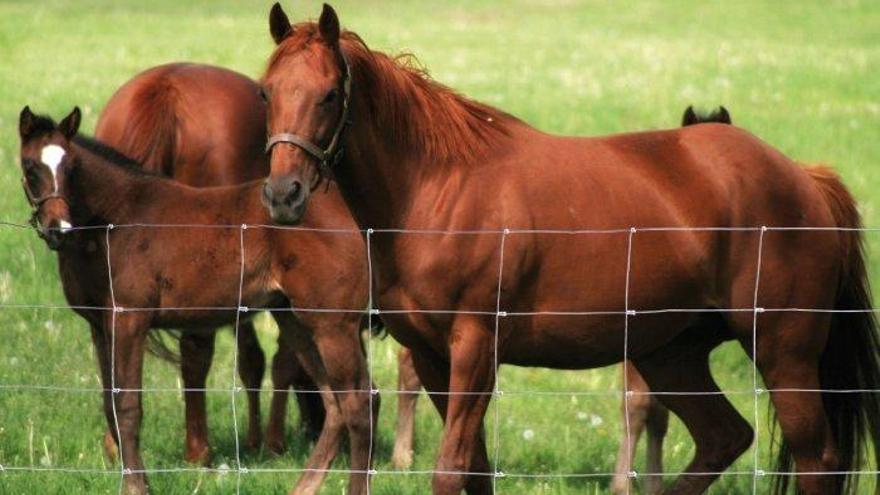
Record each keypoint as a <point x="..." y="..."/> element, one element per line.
<point x="690" y="232"/>
<point x="157" y="280"/>
<point x="206" y="126"/>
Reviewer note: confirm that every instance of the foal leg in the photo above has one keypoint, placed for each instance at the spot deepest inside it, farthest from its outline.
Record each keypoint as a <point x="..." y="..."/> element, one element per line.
<point x="408" y="386"/>
<point x="328" y="442"/>
<point x="251" y="368"/>
<point x="337" y="338"/>
<point x="127" y="346"/>
<point x="102" y="352"/>
<point x="720" y="433"/>
<point x="196" y="354"/>
<point x="635" y="410"/>
<point x="288" y="372"/>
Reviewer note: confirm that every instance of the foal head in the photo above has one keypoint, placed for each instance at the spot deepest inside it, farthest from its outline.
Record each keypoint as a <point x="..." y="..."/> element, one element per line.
<point x="307" y="89"/>
<point x="46" y="163"/>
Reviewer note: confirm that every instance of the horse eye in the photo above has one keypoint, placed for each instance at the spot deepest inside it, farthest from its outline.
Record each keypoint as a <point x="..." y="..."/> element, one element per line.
<point x="331" y="97"/>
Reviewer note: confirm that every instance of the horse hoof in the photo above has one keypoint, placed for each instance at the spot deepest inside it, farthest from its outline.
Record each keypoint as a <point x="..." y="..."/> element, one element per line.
<point x="134" y="487"/>
<point x="111" y="451"/>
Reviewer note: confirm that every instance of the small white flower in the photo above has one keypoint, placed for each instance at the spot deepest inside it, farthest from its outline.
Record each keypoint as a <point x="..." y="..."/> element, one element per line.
<point x="223" y="469"/>
<point x="595" y="420"/>
<point x="582" y="416"/>
<point x="528" y="434"/>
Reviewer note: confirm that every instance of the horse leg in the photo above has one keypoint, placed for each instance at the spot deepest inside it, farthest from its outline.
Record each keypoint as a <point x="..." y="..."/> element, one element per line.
<point x="658" y="424"/>
<point x="196" y="354"/>
<point x="127" y="339"/>
<point x="408" y="386"/>
<point x="284" y="359"/>
<point x="337" y="339"/>
<point x="801" y="415"/>
<point x="471" y="379"/>
<point x="328" y="442"/>
<point x="251" y="368"/>
<point x="102" y="348"/>
<point x="720" y="433"/>
<point x="287" y="372"/>
<point x="635" y="409"/>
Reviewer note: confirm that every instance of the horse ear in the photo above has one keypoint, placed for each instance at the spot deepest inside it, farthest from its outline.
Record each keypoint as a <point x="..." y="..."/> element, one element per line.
<point x="25" y="122"/>
<point x="70" y="125"/>
<point x="689" y="117"/>
<point x="279" y="24"/>
<point x="328" y="25"/>
<point x="724" y="115"/>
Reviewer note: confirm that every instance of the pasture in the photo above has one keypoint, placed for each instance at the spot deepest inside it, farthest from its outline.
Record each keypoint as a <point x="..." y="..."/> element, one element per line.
<point x="802" y="77"/>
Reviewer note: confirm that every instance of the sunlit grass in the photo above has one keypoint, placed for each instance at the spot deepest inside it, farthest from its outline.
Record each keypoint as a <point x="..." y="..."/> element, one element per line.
<point x="802" y="75"/>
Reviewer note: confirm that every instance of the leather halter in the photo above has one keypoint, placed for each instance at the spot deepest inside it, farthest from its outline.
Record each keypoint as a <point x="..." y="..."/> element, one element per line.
<point x="330" y="156"/>
<point x="37" y="203"/>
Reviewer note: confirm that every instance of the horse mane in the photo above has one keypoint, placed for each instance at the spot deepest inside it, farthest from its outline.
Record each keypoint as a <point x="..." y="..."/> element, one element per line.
<point x="427" y="117"/>
<point x="112" y="155"/>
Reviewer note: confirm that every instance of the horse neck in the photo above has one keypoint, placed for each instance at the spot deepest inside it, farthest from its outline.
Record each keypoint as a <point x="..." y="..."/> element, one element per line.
<point x="391" y="155"/>
<point x="103" y="189"/>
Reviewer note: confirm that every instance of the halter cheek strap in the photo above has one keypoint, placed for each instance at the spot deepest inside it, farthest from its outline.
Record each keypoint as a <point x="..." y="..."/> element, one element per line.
<point x="37" y="203"/>
<point x="330" y="156"/>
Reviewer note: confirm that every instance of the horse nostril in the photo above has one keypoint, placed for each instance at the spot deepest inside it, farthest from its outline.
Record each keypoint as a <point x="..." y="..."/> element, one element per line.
<point x="294" y="196"/>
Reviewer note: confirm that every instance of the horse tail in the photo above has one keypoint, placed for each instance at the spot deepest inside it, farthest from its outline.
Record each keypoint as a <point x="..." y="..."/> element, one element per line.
<point x="850" y="359"/>
<point x="157" y="345"/>
<point x="149" y="134"/>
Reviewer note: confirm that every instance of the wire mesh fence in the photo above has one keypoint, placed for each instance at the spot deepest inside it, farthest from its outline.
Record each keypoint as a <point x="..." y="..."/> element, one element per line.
<point x="500" y="313"/>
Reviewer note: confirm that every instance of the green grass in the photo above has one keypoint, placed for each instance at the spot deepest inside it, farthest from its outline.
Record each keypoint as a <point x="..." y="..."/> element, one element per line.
<point x="802" y="75"/>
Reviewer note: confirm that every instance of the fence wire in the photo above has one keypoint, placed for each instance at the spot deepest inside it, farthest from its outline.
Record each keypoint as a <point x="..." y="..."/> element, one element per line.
<point x="499" y="315"/>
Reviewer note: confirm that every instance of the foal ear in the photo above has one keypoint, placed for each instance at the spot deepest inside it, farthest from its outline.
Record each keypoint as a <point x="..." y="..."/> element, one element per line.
<point x="689" y="117"/>
<point x="328" y="25"/>
<point x="279" y="24"/>
<point x="25" y="122"/>
<point x="70" y="125"/>
<point x="724" y="115"/>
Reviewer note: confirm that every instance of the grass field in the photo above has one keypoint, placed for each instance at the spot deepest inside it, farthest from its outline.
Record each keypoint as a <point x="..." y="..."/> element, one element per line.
<point x="802" y="75"/>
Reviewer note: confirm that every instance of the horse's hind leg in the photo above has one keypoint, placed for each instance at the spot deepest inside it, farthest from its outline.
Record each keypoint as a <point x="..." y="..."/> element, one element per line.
<point x="196" y="354"/>
<point x="408" y="386"/>
<point x="637" y="411"/>
<point x="251" y="368"/>
<point x="788" y="351"/>
<point x="720" y="433"/>
<point x="658" y="424"/>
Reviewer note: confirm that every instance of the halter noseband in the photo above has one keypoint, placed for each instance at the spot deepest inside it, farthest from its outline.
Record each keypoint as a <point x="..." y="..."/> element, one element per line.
<point x="329" y="157"/>
<point x="37" y="203"/>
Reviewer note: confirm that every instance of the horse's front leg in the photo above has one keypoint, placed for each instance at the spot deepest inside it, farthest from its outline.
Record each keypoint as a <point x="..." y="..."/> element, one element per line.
<point x="462" y="462"/>
<point x="127" y="343"/>
<point x="408" y="386"/>
<point x="102" y="354"/>
<point x="196" y="354"/>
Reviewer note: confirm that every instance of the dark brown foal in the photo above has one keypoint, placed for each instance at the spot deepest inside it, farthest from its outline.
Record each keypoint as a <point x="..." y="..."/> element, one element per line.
<point x="206" y="126"/>
<point x="158" y="277"/>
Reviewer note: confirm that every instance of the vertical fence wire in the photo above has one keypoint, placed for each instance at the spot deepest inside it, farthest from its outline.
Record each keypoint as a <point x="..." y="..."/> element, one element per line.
<point x="497" y="392"/>
<point x="114" y="390"/>
<point x="369" y="346"/>
<point x="757" y="391"/>
<point x="631" y="475"/>
<point x="234" y="389"/>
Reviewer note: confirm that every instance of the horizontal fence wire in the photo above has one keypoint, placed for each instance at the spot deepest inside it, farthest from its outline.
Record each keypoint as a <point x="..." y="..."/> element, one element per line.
<point x="627" y="313"/>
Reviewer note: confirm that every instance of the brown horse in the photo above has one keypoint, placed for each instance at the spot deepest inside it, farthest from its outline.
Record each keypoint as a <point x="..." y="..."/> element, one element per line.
<point x="206" y="126"/>
<point x="689" y="233"/>
<point x="157" y="280"/>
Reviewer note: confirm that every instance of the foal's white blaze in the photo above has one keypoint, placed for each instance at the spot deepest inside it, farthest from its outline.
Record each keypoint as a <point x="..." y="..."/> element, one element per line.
<point x="51" y="156"/>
